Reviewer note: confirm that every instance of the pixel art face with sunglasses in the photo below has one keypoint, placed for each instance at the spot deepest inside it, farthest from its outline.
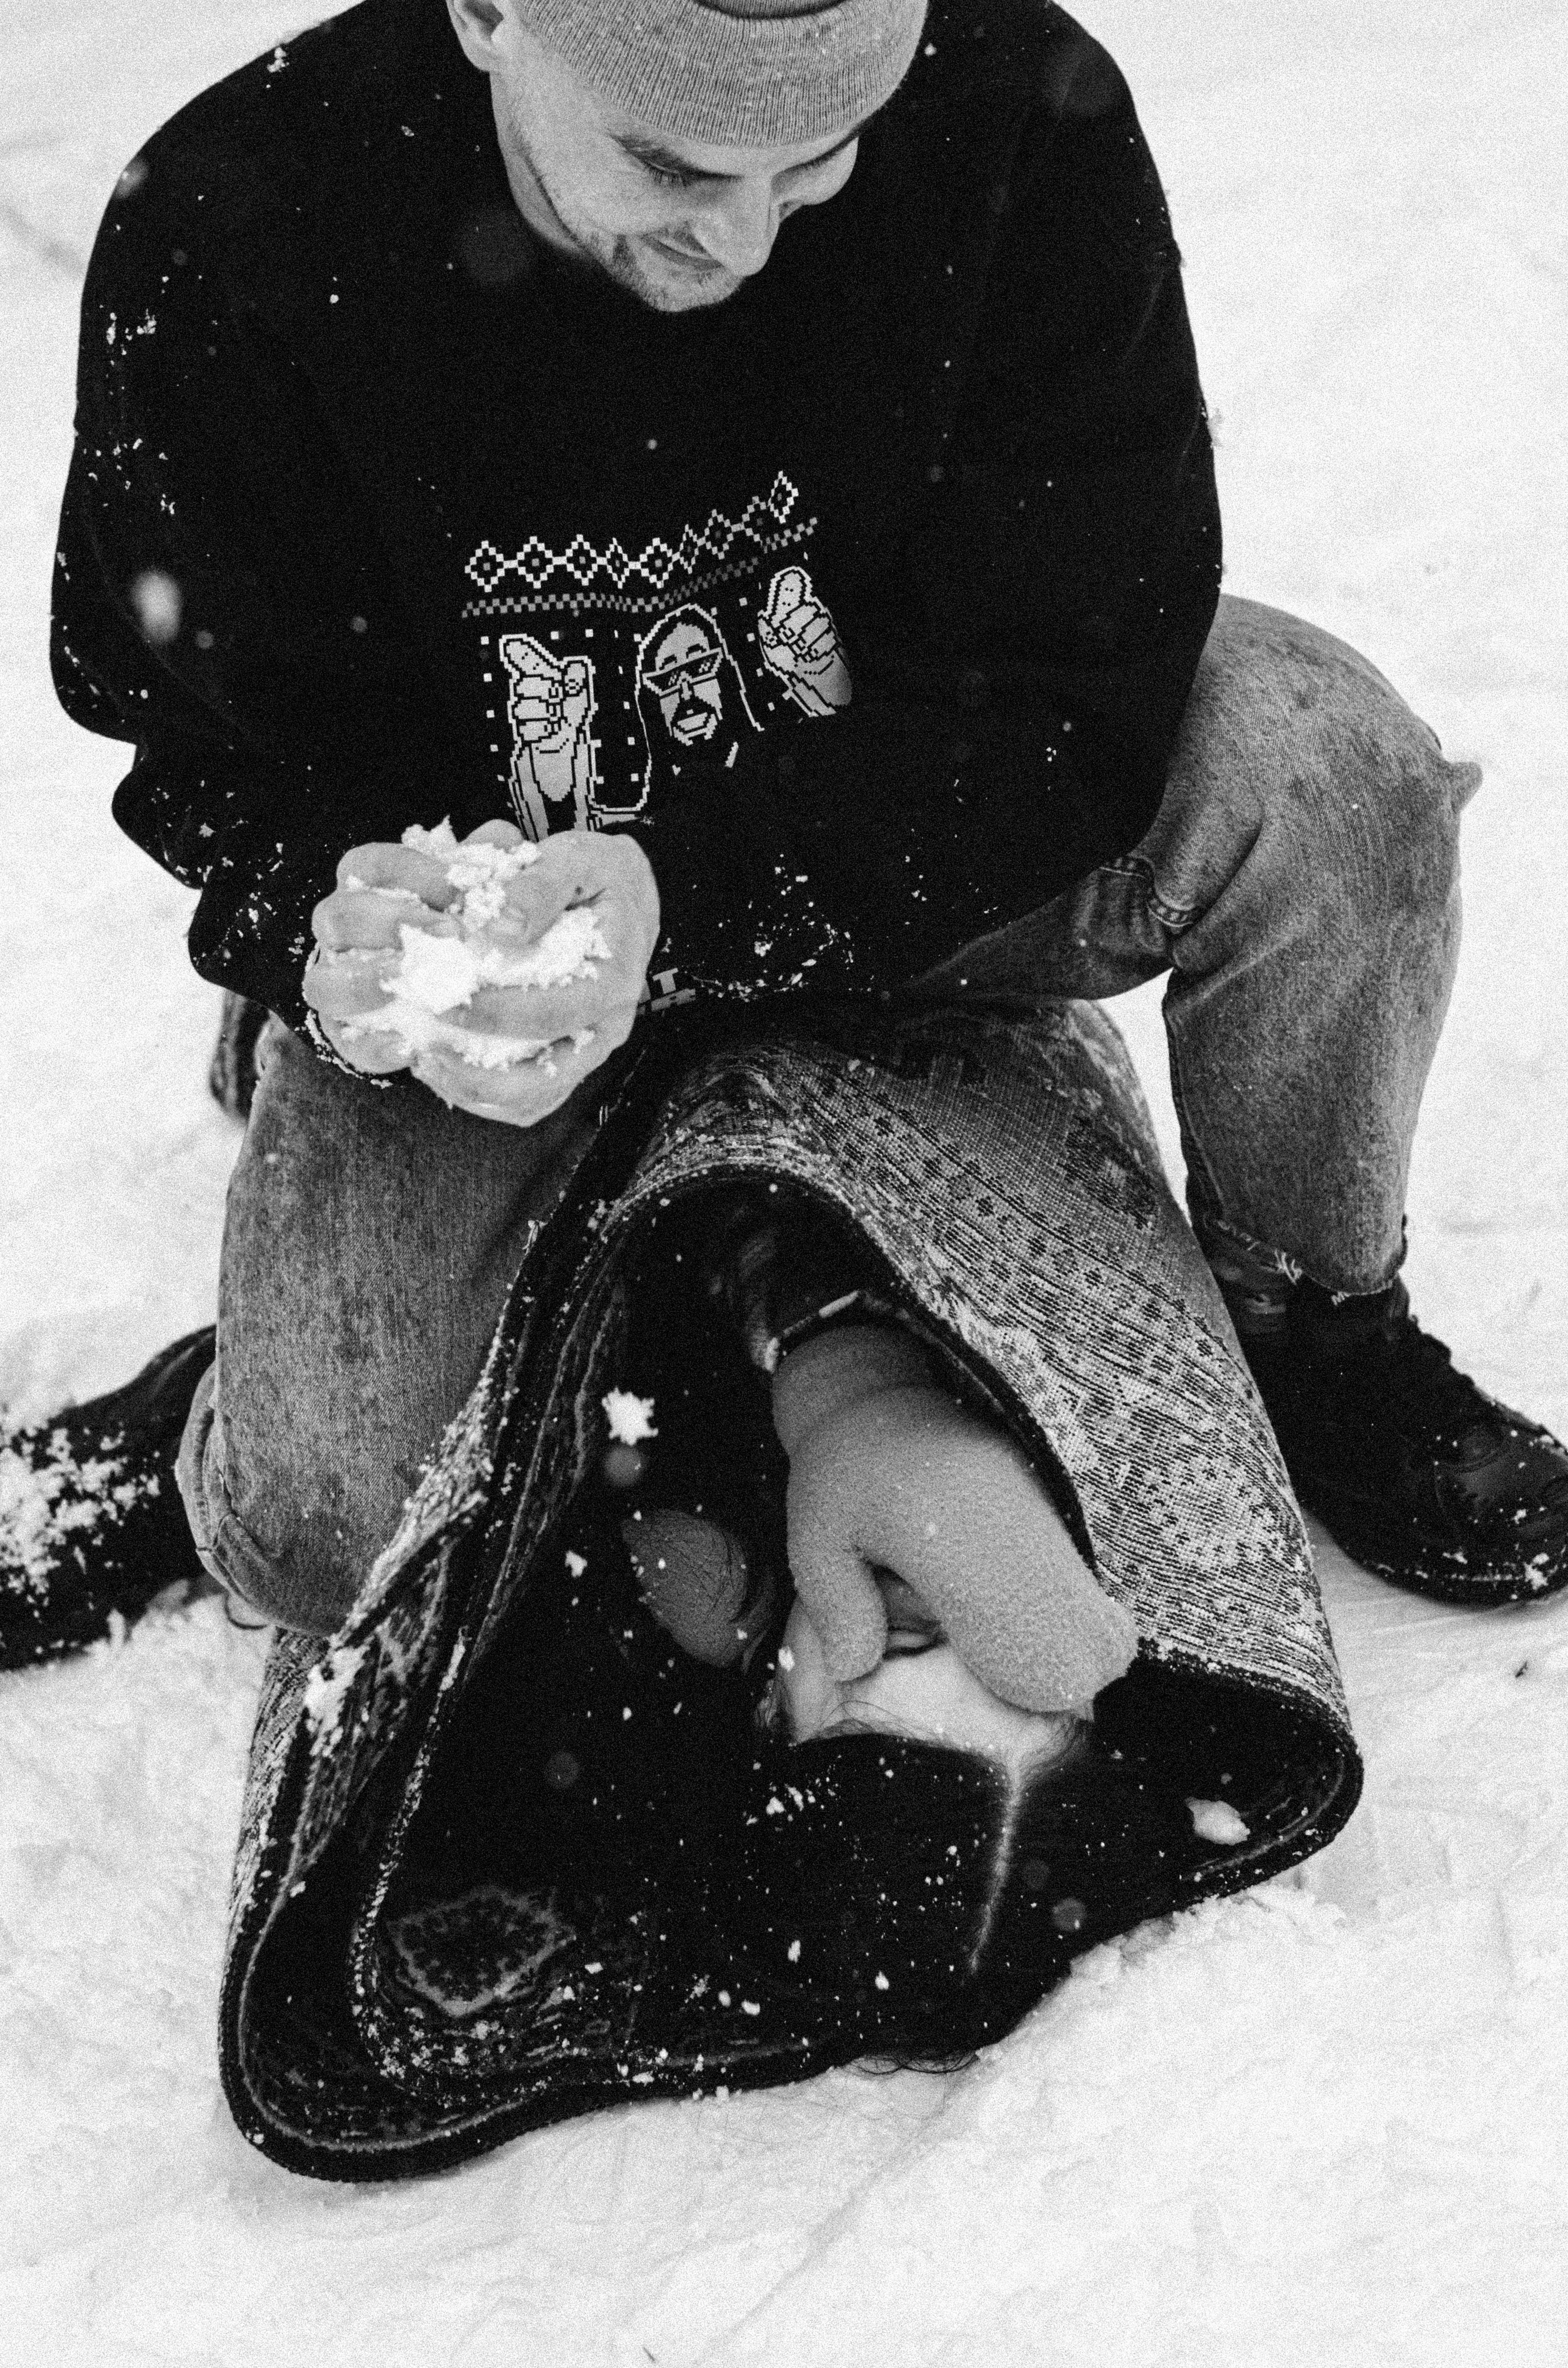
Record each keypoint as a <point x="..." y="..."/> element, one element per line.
<point x="690" y="695"/>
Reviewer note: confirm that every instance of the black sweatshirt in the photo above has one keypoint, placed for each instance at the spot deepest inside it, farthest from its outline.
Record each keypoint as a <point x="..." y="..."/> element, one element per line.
<point x="868" y="599"/>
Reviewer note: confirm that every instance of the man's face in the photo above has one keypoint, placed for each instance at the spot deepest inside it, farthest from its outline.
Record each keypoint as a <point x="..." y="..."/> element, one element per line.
<point x="676" y="224"/>
<point x="683" y="673"/>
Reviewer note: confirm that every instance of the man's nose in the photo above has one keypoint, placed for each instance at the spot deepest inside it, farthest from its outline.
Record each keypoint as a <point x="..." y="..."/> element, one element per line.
<point x="740" y="225"/>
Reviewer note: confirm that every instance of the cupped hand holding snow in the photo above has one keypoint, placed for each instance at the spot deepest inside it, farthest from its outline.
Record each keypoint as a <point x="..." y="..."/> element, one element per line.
<point x="441" y="969"/>
<point x="500" y="972"/>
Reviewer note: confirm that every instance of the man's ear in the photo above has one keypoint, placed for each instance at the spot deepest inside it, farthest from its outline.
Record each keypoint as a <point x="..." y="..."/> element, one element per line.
<point x="476" y="24"/>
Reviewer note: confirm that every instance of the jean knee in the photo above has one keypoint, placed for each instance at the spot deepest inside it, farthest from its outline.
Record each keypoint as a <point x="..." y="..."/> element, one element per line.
<point x="1307" y="805"/>
<point x="1351" y="773"/>
<point x="1394" y="803"/>
<point x="301" y="1576"/>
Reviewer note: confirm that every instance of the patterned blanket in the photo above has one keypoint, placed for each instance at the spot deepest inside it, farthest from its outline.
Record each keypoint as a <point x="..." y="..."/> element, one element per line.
<point x="430" y="1950"/>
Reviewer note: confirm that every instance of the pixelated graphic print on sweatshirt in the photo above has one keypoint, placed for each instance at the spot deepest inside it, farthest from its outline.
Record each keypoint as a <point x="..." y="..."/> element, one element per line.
<point x="609" y="671"/>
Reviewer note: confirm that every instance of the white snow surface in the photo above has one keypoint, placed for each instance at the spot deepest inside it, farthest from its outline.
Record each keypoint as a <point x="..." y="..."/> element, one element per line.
<point x="1320" y="2124"/>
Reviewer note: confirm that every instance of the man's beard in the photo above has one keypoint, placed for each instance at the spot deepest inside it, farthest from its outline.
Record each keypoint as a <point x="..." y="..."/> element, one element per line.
<point x="617" y="258"/>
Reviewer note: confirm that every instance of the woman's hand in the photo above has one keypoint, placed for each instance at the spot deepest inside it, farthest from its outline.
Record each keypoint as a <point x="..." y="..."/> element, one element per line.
<point x="908" y="1511"/>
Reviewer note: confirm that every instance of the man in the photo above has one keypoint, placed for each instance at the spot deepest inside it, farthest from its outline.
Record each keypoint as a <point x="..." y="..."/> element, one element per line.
<point x="858" y="336"/>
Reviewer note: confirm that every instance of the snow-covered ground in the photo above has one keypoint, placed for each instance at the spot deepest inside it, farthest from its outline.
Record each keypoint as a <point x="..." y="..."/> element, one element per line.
<point x="1325" y="2123"/>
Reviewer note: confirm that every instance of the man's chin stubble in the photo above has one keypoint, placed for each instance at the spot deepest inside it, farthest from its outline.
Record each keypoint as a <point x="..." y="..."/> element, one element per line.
<point x="680" y="294"/>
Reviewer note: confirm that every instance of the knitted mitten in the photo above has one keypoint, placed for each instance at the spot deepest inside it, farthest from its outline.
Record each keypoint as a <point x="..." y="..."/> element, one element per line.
<point x="888" y="1472"/>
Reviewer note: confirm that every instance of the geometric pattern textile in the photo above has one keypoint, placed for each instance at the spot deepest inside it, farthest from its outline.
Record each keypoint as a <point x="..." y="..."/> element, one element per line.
<point x="415" y="1973"/>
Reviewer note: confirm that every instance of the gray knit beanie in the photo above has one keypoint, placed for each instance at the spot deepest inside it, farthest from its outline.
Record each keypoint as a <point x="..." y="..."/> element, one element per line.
<point x="736" y="73"/>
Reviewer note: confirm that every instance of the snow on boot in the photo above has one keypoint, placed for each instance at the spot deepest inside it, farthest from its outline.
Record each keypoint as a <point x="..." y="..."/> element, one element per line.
<point x="92" y="1525"/>
<point x="1416" y="1473"/>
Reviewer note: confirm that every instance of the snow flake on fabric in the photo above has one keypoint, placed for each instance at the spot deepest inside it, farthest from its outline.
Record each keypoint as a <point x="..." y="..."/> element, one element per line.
<point x="326" y="1689"/>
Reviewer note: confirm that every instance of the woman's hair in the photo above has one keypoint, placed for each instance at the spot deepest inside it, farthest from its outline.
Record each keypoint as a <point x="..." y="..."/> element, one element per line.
<point x="888" y="1872"/>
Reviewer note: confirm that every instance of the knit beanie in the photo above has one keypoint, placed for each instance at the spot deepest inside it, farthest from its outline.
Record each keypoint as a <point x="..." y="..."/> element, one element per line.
<point x="736" y="73"/>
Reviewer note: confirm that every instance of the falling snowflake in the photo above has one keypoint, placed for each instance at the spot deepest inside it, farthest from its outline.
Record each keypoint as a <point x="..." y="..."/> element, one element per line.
<point x="631" y="1418"/>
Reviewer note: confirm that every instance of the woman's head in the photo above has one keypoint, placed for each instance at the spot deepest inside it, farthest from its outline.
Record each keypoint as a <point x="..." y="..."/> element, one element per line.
<point x="921" y="1688"/>
<point x="885" y="1824"/>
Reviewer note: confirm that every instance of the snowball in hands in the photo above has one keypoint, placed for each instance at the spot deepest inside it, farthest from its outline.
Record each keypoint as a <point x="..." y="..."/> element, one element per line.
<point x="435" y="971"/>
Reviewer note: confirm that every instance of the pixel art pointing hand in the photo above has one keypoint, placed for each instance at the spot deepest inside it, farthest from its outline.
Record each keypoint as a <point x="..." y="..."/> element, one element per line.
<point x="800" y="643"/>
<point x="549" y="700"/>
<point x="550" y="703"/>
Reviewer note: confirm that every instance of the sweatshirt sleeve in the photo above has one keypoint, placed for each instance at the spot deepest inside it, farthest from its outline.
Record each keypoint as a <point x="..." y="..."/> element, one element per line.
<point x="1023" y="655"/>
<point x="215" y="598"/>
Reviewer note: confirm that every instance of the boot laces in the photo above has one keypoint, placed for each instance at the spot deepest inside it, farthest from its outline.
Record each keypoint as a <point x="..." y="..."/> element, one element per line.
<point x="1420" y="1373"/>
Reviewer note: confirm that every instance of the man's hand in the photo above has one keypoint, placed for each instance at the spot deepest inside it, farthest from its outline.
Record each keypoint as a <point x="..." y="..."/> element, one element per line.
<point x="384" y="889"/>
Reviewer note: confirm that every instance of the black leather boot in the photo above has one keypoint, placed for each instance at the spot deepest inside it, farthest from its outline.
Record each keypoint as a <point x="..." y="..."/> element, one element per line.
<point x="1416" y="1473"/>
<point x="92" y="1524"/>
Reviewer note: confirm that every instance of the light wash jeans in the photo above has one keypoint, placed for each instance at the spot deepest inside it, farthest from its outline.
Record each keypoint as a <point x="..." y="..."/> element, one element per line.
<point x="1301" y="886"/>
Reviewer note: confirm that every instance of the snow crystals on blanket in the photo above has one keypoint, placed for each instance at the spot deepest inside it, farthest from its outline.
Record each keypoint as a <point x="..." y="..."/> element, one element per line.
<point x="325" y="1690"/>
<point x="631" y="1418"/>
<point x="1216" y="1821"/>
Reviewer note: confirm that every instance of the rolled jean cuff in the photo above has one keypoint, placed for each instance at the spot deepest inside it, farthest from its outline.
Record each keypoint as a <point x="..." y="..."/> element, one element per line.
<point x="225" y="1547"/>
<point x="1240" y="1263"/>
